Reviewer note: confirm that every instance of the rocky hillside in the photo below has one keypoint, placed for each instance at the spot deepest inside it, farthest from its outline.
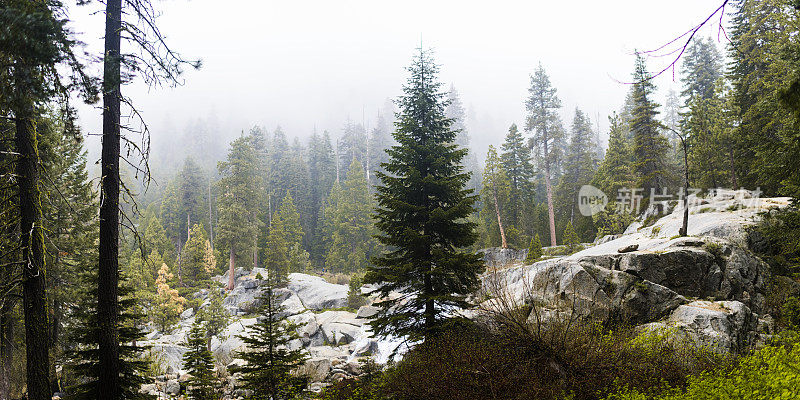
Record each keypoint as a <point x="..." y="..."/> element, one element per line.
<point x="709" y="286"/>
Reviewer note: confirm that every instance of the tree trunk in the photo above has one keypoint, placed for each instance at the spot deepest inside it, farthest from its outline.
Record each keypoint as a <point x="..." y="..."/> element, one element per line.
<point x="734" y="182"/>
<point x="550" y="211"/>
<point x="34" y="298"/>
<point x="210" y="218"/>
<point x="231" y="272"/>
<point x="108" y="386"/>
<point x="499" y="222"/>
<point x="430" y="312"/>
<point x="6" y="347"/>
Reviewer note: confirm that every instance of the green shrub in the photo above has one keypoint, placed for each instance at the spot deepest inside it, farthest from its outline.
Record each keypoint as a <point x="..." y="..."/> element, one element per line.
<point x="790" y="314"/>
<point x="534" y="250"/>
<point x="771" y="373"/>
<point x="354" y="297"/>
<point x="570" y="360"/>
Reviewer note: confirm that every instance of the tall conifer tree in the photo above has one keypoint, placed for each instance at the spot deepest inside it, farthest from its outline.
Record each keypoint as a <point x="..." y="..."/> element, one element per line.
<point x="516" y="160"/>
<point x="650" y="146"/>
<point x="547" y="133"/>
<point x="421" y="214"/>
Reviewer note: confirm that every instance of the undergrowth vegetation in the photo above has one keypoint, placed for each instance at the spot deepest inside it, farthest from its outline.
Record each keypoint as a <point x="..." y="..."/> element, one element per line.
<point x="505" y="361"/>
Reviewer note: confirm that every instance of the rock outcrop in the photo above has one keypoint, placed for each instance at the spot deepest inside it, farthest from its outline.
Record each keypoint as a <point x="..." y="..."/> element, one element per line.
<point x="709" y="286"/>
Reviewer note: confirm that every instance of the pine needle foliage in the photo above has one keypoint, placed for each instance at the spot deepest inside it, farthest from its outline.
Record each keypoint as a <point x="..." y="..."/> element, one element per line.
<point x="199" y="362"/>
<point x="84" y="356"/>
<point x="269" y="362"/>
<point x="422" y="215"/>
<point x="534" y="250"/>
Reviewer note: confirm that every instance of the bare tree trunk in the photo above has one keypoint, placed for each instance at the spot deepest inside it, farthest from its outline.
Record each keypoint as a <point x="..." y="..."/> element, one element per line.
<point x="108" y="386"/>
<point x="499" y="222"/>
<point x="231" y="271"/>
<point x="34" y="300"/>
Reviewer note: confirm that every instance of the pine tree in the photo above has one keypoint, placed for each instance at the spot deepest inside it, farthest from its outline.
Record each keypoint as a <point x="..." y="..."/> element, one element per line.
<point x="579" y="168"/>
<point x="198" y="259"/>
<point x="284" y="252"/>
<point x="516" y="160"/>
<point x="614" y="173"/>
<point x="379" y="141"/>
<point x="763" y="63"/>
<point x="571" y="239"/>
<point x="83" y="358"/>
<point x="155" y="238"/>
<point x="237" y="229"/>
<point x="322" y="174"/>
<point x="650" y="146"/>
<point x="70" y="222"/>
<point x="455" y="111"/>
<point x="495" y="193"/>
<point x="199" y="363"/>
<point x="268" y="361"/>
<point x="534" y="250"/>
<point x="616" y="169"/>
<point x="352" y="144"/>
<point x="421" y="214"/>
<point x="547" y="134"/>
<point x="701" y="68"/>
<point x="708" y="125"/>
<point x="348" y="218"/>
<point x="214" y="316"/>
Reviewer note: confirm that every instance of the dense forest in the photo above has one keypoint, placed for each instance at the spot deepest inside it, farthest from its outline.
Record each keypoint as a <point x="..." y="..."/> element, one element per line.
<point x="90" y="264"/>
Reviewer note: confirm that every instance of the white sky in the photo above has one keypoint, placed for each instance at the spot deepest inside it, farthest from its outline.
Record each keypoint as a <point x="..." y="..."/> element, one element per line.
<point x="302" y="63"/>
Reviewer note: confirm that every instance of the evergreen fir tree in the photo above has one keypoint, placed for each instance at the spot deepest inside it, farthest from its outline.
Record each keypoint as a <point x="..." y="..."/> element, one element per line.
<point x="701" y="68"/>
<point x="348" y="216"/>
<point x="455" y="111"/>
<point x="547" y="134"/>
<point x="199" y="263"/>
<point x="284" y="253"/>
<point x="650" y="146"/>
<point x="237" y="229"/>
<point x="83" y="357"/>
<point x="579" y="168"/>
<point x="214" y="316"/>
<point x="268" y="361"/>
<point x="421" y="214"/>
<point x="495" y="193"/>
<point x="199" y="363"/>
<point x="571" y="239"/>
<point x="322" y="174"/>
<point x="516" y="160"/>
<point x="534" y="250"/>
<point x="616" y="169"/>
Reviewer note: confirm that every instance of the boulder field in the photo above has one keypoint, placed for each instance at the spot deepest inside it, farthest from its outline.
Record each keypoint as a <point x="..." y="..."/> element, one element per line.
<point x="708" y="287"/>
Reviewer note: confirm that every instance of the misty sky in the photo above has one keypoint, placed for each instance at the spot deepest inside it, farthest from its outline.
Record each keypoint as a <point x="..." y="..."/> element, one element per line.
<point x="305" y="64"/>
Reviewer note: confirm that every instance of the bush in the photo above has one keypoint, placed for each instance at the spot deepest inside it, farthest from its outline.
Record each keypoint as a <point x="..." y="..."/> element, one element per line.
<point x="768" y="374"/>
<point x="354" y="297"/>
<point x="790" y="314"/>
<point x="562" y="360"/>
<point x="534" y="250"/>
